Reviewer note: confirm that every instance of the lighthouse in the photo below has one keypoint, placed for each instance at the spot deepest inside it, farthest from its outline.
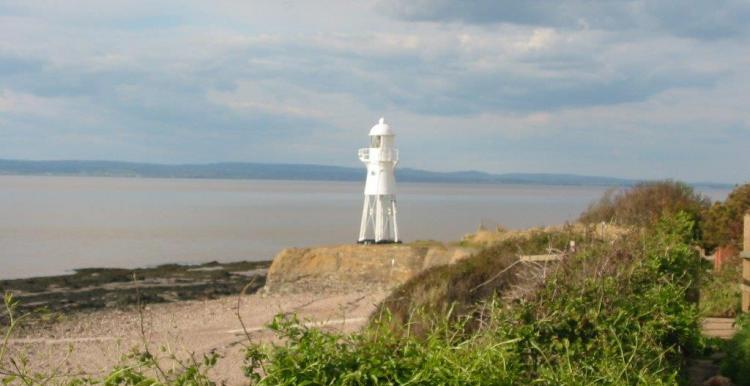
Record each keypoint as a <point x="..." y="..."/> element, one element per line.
<point x="379" y="211"/>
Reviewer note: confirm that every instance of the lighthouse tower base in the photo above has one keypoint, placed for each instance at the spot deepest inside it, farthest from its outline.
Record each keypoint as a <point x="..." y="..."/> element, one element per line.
<point x="372" y="241"/>
<point x="379" y="224"/>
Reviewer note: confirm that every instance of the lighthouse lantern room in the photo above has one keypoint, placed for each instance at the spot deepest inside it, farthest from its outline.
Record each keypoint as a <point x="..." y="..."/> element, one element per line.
<point x="379" y="212"/>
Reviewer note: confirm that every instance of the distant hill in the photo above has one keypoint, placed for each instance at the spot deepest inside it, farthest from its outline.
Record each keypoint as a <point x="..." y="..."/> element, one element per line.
<point x="242" y="170"/>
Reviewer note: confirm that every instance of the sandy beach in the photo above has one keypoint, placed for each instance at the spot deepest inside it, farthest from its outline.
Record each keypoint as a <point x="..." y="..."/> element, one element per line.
<point x="93" y="342"/>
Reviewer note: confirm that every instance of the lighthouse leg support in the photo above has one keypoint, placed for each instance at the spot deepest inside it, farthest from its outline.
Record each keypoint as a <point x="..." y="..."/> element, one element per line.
<point x="394" y="219"/>
<point x="365" y="220"/>
<point x="378" y="219"/>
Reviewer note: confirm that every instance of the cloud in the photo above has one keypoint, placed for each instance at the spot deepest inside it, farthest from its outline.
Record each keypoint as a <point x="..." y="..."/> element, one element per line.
<point x="695" y="18"/>
<point x="586" y="87"/>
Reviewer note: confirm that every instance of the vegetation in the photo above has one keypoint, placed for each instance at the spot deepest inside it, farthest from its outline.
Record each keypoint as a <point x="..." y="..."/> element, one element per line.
<point x="737" y="363"/>
<point x="724" y="220"/>
<point x="645" y="203"/>
<point x="613" y="314"/>
<point x="723" y="227"/>
<point x="459" y="287"/>
<point x="720" y="292"/>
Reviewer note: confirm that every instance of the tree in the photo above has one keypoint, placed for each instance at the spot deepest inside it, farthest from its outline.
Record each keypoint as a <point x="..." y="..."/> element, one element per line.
<point x="645" y="203"/>
<point x="724" y="220"/>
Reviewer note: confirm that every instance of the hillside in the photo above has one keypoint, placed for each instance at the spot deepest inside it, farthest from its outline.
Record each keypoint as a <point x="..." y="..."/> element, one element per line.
<point x="311" y="172"/>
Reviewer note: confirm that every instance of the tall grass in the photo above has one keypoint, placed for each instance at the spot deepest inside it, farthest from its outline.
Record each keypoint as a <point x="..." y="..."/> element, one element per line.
<point x="458" y="288"/>
<point x="720" y="291"/>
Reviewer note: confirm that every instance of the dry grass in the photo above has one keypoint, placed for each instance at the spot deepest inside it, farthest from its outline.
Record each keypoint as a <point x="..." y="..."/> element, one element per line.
<point x="489" y="237"/>
<point x="494" y="271"/>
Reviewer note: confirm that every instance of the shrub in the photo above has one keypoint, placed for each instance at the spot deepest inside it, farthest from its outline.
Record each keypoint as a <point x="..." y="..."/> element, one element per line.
<point x="737" y="363"/>
<point x="613" y="314"/>
<point x="645" y="203"/>
<point x="720" y="292"/>
<point x="724" y="221"/>
<point x="459" y="287"/>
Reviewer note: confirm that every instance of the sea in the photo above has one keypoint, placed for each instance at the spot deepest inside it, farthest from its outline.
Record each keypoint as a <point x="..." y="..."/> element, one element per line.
<point x="51" y="225"/>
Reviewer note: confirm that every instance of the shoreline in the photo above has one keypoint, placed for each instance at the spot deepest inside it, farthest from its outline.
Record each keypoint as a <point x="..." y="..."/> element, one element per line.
<point x="97" y="288"/>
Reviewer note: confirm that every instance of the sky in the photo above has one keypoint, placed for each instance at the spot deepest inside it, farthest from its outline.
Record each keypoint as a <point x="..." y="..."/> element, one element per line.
<point x="632" y="89"/>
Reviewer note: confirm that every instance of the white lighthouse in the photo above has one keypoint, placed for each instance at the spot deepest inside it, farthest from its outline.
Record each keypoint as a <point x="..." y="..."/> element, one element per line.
<point x="379" y="212"/>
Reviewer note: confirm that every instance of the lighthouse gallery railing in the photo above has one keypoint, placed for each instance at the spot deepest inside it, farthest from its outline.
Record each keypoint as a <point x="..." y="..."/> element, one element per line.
<point x="385" y="155"/>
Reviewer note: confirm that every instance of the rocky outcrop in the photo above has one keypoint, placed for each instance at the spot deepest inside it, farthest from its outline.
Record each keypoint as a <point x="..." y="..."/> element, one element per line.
<point x="347" y="266"/>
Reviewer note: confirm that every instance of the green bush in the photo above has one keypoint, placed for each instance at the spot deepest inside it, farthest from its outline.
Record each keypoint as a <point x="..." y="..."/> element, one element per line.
<point x="720" y="291"/>
<point x="724" y="221"/>
<point x="459" y="287"/>
<point x="614" y="314"/>
<point x="645" y="203"/>
<point x="737" y="363"/>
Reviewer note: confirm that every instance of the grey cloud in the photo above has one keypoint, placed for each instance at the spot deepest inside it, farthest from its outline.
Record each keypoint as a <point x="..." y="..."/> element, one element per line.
<point x="154" y="101"/>
<point x="450" y="88"/>
<point x="692" y="18"/>
<point x="446" y="85"/>
<point x="700" y="19"/>
<point x="549" y="13"/>
<point x="10" y="65"/>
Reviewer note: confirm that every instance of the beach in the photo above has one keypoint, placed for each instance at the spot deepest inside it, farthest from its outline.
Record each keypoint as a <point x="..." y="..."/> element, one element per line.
<point x="93" y="342"/>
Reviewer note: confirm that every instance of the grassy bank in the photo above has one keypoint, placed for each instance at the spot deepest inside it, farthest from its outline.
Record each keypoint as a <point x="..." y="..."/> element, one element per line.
<point x="612" y="313"/>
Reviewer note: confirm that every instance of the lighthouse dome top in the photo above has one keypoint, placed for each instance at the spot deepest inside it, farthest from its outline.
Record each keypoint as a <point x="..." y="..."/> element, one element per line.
<point x="381" y="128"/>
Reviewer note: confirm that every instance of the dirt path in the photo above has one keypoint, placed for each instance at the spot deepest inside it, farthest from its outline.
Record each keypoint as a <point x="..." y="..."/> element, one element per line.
<point x="93" y="342"/>
<point x="719" y="327"/>
<point x="702" y="369"/>
<point x="56" y="341"/>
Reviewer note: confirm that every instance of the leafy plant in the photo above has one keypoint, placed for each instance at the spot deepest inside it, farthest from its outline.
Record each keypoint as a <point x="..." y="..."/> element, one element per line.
<point x="720" y="292"/>
<point x="613" y="314"/>
<point x="737" y="363"/>
<point x="645" y="203"/>
<point x="724" y="221"/>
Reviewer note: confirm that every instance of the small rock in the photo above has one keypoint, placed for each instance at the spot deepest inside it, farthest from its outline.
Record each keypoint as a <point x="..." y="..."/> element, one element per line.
<point x="718" y="380"/>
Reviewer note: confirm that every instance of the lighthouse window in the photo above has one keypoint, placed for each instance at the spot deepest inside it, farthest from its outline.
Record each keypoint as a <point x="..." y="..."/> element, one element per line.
<point x="375" y="141"/>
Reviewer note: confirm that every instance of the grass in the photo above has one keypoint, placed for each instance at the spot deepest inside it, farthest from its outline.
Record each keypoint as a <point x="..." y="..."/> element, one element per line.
<point x="491" y="271"/>
<point x="720" y="292"/>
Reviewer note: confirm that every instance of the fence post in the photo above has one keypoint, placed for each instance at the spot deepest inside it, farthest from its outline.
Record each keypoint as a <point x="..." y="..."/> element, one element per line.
<point x="745" y="285"/>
